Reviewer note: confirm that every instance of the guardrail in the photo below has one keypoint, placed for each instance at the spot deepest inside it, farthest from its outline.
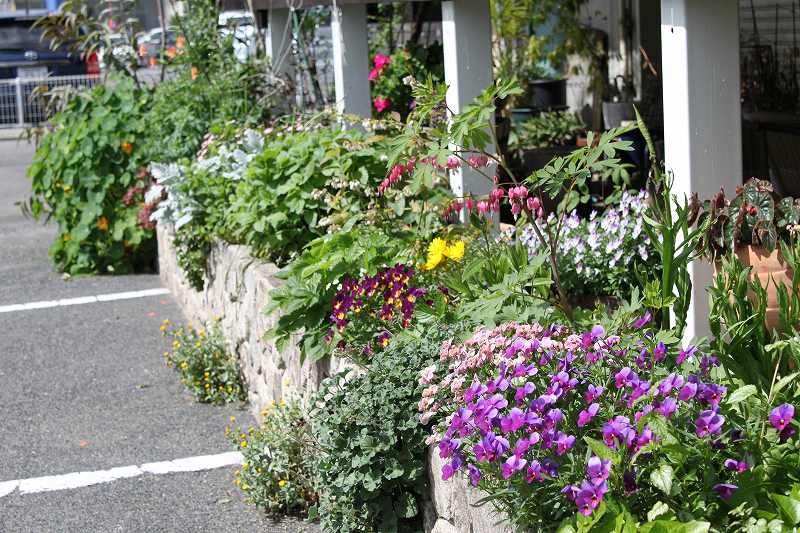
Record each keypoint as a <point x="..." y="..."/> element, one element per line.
<point x="20" y="105"/>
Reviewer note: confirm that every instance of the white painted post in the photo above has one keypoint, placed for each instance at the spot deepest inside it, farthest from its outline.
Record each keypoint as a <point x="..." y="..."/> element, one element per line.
<point x="467" y="43"/>
<point x="702" y="113"/>
<point x="351" y="59"/>
<point x="279" y="41"/>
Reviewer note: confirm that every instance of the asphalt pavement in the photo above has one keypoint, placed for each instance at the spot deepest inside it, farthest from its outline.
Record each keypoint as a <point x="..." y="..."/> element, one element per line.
<point x="84" y="388"/>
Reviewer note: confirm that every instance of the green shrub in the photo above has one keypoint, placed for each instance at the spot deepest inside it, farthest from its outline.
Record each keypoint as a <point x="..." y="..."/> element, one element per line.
<point x="277" y="474"/>
<point x="371" y="466"/>
<point x="202" y="359"/>
<point x="81" y="173"/>
<point x="302" y="185"/>
<point x="555" y="128"/>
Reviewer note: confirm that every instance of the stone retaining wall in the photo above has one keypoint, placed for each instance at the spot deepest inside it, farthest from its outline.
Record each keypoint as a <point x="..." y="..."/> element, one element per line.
<point x="237" y="289"/>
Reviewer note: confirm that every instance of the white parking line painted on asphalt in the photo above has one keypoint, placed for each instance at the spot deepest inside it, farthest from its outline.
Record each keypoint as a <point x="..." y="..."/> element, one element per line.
<point x="83" y="300"/>
<point x="76" y="480"/>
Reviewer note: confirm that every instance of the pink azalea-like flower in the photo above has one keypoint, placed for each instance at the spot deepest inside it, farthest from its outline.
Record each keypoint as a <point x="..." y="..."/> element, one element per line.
<point x="381" y="104"/>
<point x="373" y="74"/>
<point x="381" y="61"/>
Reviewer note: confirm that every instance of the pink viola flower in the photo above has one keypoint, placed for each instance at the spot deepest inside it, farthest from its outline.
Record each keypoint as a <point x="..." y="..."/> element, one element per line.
<point x="708" y="423"/>
<point x="592" y="393"/>
<point x="781" y="416"/>
<point x="381" y="104"/>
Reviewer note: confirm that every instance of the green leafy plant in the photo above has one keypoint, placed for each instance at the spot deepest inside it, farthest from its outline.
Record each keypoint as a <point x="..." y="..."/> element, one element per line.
<point x="754" y="216"/>
<point x="277" y="472"/>
<point x="371" y="461"/>
<point x="81" y="174"/>
<point x="556" y="128"/>
<point x="202" y="359"/>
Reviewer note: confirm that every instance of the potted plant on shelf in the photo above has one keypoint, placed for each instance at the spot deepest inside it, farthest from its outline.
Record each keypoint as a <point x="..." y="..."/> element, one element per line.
<point x="534" y="142"/>
<point x="753" y="225"/>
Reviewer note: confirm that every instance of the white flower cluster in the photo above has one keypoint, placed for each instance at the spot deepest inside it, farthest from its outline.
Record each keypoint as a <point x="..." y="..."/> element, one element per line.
<point x="596" y="250"/>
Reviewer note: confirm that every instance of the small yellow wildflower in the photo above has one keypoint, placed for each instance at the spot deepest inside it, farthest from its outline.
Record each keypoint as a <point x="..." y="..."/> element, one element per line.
<point x="243" y="444"/>
<point x="232" y="419"/>
<point x="281" y="483"/>
<point x="436" y="251"/>
<point x="65" y="237"/>
<point x="455" y="251"/>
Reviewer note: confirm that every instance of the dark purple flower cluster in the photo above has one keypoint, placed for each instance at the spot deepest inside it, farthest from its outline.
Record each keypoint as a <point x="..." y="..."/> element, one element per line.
<point x="374" y="303"/>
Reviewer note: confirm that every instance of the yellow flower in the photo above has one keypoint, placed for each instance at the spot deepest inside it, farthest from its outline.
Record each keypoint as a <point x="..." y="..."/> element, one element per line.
<point x="436" y="250"/>
<point x="243" y="444"/>
<point x="65" y="237"/>
<point x="455" y="251"/>
<point x="127" y="148"/>
<point x="232" y="419"/>
<point x="281" y="483"/>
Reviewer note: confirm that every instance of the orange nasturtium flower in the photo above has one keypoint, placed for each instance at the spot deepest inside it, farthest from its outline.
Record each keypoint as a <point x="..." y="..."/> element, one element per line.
<point x="180" y="42"/>
<point x="102" y="224"/>
<point x="171" y="52"/>
<point x="152" y="61"/>
<point x="65" y="237"/>
<point x="126" y="147"/>
<point x="195" y="72"/>
<point x="142" y="50"/>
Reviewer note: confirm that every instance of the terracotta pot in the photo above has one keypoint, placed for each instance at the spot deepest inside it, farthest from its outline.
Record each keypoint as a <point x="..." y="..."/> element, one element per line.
<point x="771" y="270"/>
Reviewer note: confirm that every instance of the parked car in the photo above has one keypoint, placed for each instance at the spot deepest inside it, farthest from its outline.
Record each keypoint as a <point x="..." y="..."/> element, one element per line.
<point x="24" y="56"/>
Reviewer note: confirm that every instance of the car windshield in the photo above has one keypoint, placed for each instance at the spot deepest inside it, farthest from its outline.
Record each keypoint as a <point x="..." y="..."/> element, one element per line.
<point x="18" y="35"/>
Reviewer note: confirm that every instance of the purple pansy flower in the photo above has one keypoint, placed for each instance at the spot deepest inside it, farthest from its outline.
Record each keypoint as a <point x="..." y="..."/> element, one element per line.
<point x="685" y="354"/>
<point x="564" y="442"/>
<point x="597" y="470"/>
<point x="592" y="393"/>
<point x="641" y="322"/>
<point x="668" y="407"/>
<point x="737" y="466"/>
<point x="512" y="422"/>
<point x="687" y="392"/>
<point x="781" y="416"/>
<point x="512" y="465"/>
<point x="725" y="490"/>
<point x="708" y="423"/>
<point x="589" y="497"/>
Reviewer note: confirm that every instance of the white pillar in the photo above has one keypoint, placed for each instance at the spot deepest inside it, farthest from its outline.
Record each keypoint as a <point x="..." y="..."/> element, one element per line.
<point x="702" y="113"/>
<point x="351" y="59"/>
<point x="467" y="43"/>
<point x="279" y="41"/>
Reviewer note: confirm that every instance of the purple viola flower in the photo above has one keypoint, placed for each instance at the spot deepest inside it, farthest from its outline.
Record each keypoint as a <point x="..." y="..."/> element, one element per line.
<point x="474" y="475"/>
<point x="668" y="407"/>
<point x="476" y="390"/>
<point x="626" y="377"/>
<point x="643" y="360"/>
<point x="550" y="467"/>
<point x="571" y="492"/>
<point x="673" y="381"/>
<point x="512" y="465"/>
<point x="659" y="352"/>
<point x="512" y="422"/>
<point x="521" y="447"/>
<point x="687" y="392"/>
<point x="639" y="390"/>
<point x="616" y="429"/>
<point x="710" y="393"/>
<point x="781" y="416"/>
<point x="552" y="418"/>
<point x="736" y="466"/>
<point x="688" y="353"/>
<point x="523" y="391"/>
<point x="644" y="439"/>
<point x="706" y="363"/>
<point x="589" y="497"/>
<point x="534" y="472"/>
<point x="708" y="423"/>
<point x="490" y="448"/>
<point x="642" y="322"/>
<point x="597" y="470"/>
<point x="460" y="422"/>
<point x="725" y="490"/>
<point x="592" y="393"/>
<point x="586" y="415"/>
<point x="564" y="442"/>
<point x="447" y="447"/>
<point x="449" y="469"/>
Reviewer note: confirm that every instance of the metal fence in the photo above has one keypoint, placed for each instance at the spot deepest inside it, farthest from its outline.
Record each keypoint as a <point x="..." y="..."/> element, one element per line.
<point x="22" y="102"/>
